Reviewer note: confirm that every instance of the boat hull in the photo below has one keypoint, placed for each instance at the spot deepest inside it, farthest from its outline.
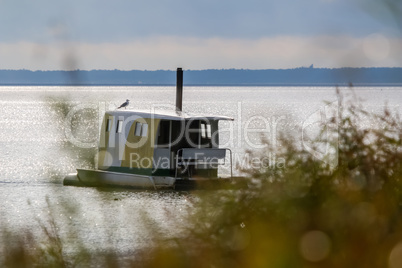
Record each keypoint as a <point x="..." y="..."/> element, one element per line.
<point x="100" y="178"/>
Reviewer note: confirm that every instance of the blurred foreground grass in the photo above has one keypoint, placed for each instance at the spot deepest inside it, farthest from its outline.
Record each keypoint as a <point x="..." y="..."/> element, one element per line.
<point x="79" y="128"/>
<point x="305" y="213"/>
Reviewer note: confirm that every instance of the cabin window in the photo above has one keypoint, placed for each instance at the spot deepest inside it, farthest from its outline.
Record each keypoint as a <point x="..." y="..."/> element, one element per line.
<point x="138" y="127"/>
<point x="119" y="127"/>
<point x="205" y="130"/>
<point x="144" y="130"/>
<point x="108" y="125"/>
<point x="163" y="135"/>
<point x="205" y="135"/>
<point x="208" y="131"/>
<point x="141" y="129"/>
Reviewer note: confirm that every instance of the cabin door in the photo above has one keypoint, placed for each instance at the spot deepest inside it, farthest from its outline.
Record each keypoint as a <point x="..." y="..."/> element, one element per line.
<point x="162" y="152"/>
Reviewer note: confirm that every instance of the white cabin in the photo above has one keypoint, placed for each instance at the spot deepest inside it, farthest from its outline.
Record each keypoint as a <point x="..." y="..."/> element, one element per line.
<point x="160" y="144"/>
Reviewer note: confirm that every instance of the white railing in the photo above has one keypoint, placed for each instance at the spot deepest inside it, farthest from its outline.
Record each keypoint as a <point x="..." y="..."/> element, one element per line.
<point x="207" y="156"/>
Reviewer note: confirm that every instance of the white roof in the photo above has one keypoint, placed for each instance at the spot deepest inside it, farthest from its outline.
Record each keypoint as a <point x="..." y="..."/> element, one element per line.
<point x="165" y="114"/>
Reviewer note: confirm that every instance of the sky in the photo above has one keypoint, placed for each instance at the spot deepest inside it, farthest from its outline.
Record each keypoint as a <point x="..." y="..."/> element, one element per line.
<point x="199" y="34"/>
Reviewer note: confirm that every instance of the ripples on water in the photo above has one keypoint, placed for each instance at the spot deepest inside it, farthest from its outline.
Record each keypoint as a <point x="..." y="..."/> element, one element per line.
<point x="33" y="160"/>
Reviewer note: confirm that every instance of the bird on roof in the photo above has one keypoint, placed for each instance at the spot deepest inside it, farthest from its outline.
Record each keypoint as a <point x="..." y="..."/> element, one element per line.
<point x="124" y="104"/>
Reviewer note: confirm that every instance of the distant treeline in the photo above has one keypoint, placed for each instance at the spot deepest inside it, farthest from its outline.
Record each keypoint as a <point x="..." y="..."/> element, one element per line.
<point x="286" y="77"/>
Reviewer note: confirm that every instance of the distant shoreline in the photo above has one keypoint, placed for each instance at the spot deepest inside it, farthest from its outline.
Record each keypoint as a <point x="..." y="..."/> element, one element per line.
<point x="299" y="77"/>
<point x="203" y="85"/>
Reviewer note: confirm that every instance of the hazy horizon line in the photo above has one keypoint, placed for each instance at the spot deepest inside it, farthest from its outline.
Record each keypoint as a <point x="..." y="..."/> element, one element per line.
<point x="208" y="69"/>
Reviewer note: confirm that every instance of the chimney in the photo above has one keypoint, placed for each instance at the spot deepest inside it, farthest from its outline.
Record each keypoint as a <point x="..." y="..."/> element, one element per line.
<point x="179" y="89"/>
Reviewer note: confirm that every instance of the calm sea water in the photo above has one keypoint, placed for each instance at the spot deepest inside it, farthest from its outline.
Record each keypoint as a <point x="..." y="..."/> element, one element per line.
<point x="34" y="158"/>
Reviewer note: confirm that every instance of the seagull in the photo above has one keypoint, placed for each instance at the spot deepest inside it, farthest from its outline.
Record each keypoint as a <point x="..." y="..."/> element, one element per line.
<point x="124" y="104"/>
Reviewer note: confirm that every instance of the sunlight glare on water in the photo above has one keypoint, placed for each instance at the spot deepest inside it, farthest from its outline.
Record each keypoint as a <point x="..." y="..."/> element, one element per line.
<point x="35" y="153"/>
